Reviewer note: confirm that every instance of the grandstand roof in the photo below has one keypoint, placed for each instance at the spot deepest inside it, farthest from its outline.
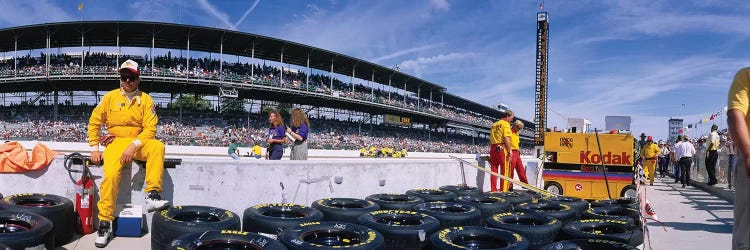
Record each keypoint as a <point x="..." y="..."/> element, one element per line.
<point x="206" y="39"/>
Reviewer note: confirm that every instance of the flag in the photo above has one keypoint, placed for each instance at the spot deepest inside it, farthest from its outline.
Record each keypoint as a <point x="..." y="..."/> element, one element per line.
<point x="705" y="120"/>
<point x="690" y="125"/>
<point x="679" y="131"/>
<point x="80" y="6"/>
<point x="712" y="116"/>
<point x="700" y="121"/>
<point x="541" y="6"/>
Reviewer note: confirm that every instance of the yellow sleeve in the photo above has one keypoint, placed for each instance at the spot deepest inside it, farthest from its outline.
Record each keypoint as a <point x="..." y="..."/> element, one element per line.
<point x="506" y="130"/>
<point x="97" y="119"/>
<point x="738" y="92"/>
<point x="149" y="120"/>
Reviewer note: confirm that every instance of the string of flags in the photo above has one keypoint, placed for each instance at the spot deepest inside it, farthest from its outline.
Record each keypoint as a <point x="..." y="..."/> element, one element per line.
<point x="710" y="117"/>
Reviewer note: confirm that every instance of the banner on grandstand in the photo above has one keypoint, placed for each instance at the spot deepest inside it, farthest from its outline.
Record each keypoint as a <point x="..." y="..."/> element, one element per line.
<point x="397" y="120"/>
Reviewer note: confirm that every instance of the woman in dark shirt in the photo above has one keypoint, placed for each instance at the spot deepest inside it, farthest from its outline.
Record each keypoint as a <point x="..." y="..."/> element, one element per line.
<point x="276" y="136"/>
<point x="299" y="131"/>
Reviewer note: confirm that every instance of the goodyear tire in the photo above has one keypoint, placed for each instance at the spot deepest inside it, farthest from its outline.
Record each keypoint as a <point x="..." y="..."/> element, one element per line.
<point x="538" y="229"/>
<point x="477" y="238"/>
<point x="626" y="214"/>
<point x="275" y="217"/>
<point x="588" y="244"/>
<point x="451" y="214"/>
<point x="225" y="239"/>
<point x="344" y="209"/>
<point x="629" y="192"/>
<point x="331" y="235"/>
<point x="515" y="198"/>
<point x="177" y="221"/>
<point x="395" y="201"/>
<point x="22" y="230"/>
<point x="460" y="190"/>
<point x="614" y="230"/>
<point x="562" y="212"/>
<point x="487" y="205"/>
<point x="57" y="209"/>
<point x="623" y="202"/>
<point x="430" y="195"/>
<point x="401" y="229"/>
<point x="578" y="204"/>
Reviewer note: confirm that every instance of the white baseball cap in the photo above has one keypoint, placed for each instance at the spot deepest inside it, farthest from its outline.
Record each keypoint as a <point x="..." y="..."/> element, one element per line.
<point x="130" y="65"/>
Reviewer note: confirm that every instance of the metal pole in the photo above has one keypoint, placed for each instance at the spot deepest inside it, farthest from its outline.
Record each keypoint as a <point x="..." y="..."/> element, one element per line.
<point x="187" y="64"/>
<point x="15" y="59"/>
<point x="252" y="65"/>
<point x="441" y="99"/>
<point x="281" y="77"/>
<point x="604" y="169"/>
<point x="351" y="78"/>
<point x="151" y="51"/>
<point x="331" y="76"/>
<point x="419" y="97"/>
<point x="404" y="92"/>
<point x="309" y="71"/>
<point x="430" y="98"/>
<point x="372" y="88"/>
<point x="82" y="54"/>
<point x="46" y="63"/>
<point x="221" y="58"/>
<point x="117" y="57"/>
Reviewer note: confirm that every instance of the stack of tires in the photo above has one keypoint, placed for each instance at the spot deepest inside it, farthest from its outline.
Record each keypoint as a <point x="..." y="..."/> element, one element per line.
<point x="36" y="219"/>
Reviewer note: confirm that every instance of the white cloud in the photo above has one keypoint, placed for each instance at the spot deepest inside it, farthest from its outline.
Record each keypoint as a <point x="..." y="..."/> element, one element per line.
<point x="224" y="17"/>
<point x="33" y="12"/>
<point x="419" y="64"/>
<point x="440" y="4"/>
<point x="403" y="52"/>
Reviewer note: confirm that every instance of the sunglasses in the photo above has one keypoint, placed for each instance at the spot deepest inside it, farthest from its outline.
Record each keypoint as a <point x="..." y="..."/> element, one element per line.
<point x="126" y="78"/>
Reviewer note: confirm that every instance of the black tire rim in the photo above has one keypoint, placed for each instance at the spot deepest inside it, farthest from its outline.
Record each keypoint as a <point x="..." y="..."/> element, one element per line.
<point x="448" y="209"/>
<point x="394" y="220"/>
<point x="603" y="229"/>
<point x="332" y="238"/>
<point x="481" y="241"/>
<point x="285" y="213"/>
<point x="13" y="226"/>
<point x="483" y="200"/>
<point x="36" y="202"/>
<point x="225" y="245"/>
<point x="527" y="221"/>
<point x="197" y="217"/>
<point x="396" y="198"/>
<point x="545" y="208"/>
<point x="615" y="212"/>
<point x="432" y="192"/>
<point x="345" y="204"/>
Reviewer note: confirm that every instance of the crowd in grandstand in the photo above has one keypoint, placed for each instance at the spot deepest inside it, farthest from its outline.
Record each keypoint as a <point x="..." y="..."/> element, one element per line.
<point x="20" y="122"/>
<point x="208" y="69"/>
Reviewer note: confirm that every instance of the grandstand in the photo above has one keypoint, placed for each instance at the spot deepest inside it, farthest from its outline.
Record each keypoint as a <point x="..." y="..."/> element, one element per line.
<point x="206" y="100"/>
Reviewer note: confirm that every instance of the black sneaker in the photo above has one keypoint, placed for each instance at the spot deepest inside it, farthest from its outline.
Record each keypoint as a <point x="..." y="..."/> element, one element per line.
<point x="104" y="235"/>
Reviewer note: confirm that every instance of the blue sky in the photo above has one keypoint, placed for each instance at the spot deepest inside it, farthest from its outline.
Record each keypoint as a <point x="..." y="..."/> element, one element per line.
<point x="642" y="58"/>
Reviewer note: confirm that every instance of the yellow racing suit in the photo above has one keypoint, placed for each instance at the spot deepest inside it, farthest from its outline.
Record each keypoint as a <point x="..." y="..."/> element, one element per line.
<point x="131" y="122"/>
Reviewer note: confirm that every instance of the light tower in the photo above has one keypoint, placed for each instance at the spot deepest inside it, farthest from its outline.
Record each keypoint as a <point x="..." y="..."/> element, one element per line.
<point x="542" y="47"/>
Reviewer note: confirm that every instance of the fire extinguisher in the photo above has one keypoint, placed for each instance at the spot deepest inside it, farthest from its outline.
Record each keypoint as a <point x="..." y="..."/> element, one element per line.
<point x="84" y="194"/>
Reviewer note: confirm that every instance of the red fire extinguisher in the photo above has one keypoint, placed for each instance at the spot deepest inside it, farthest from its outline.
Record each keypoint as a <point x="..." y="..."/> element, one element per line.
<point x="84" y="194"/>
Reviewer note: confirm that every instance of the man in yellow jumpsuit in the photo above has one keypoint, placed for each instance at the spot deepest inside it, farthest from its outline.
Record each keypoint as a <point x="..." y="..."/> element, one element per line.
<point x="650" y="152"/>
<point x="130" y="118"/>
<point x="500" y="152"/>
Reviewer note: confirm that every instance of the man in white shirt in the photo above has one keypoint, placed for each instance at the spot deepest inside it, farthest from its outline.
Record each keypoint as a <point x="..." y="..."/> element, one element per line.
<point x="686" y="151"/>
<point x="676" y="154"/>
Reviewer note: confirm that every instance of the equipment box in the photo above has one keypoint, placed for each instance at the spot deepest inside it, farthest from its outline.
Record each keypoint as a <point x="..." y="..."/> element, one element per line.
<point x="129" y="221"/>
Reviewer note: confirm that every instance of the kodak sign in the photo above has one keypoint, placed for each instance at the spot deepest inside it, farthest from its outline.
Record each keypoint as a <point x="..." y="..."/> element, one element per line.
<point x="587" y="157"/>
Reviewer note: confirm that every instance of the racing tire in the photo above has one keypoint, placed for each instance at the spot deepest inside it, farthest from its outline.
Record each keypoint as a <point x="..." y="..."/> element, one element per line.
<point x="626" y="214"/>
<point x="451" y="214"/>
<point x="622" y="202"/>
<point x="461" y="190"/>
<point x="430" y="195"/>
<point x="578" y="204"/>
<point x="275" y="217"/>
<point x="225" y="239"/>
<point x="589" y="244"/>
<point x="401" y="229"/>
<point x="538" y="229"/>
<point x="515" y="198"/>
<point x="395" y="201"/>
<point x="562" y="212"/>
<point x="613" y="230"/>
<point x="56" y="208"/>
<point x="22" y="230"/>
<point x="344" y="209"/>
<point x="477" y="238"/>
<point x="331" y="235"/>
<point x="487" y="205"/>
<point x="177" y="221"/>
